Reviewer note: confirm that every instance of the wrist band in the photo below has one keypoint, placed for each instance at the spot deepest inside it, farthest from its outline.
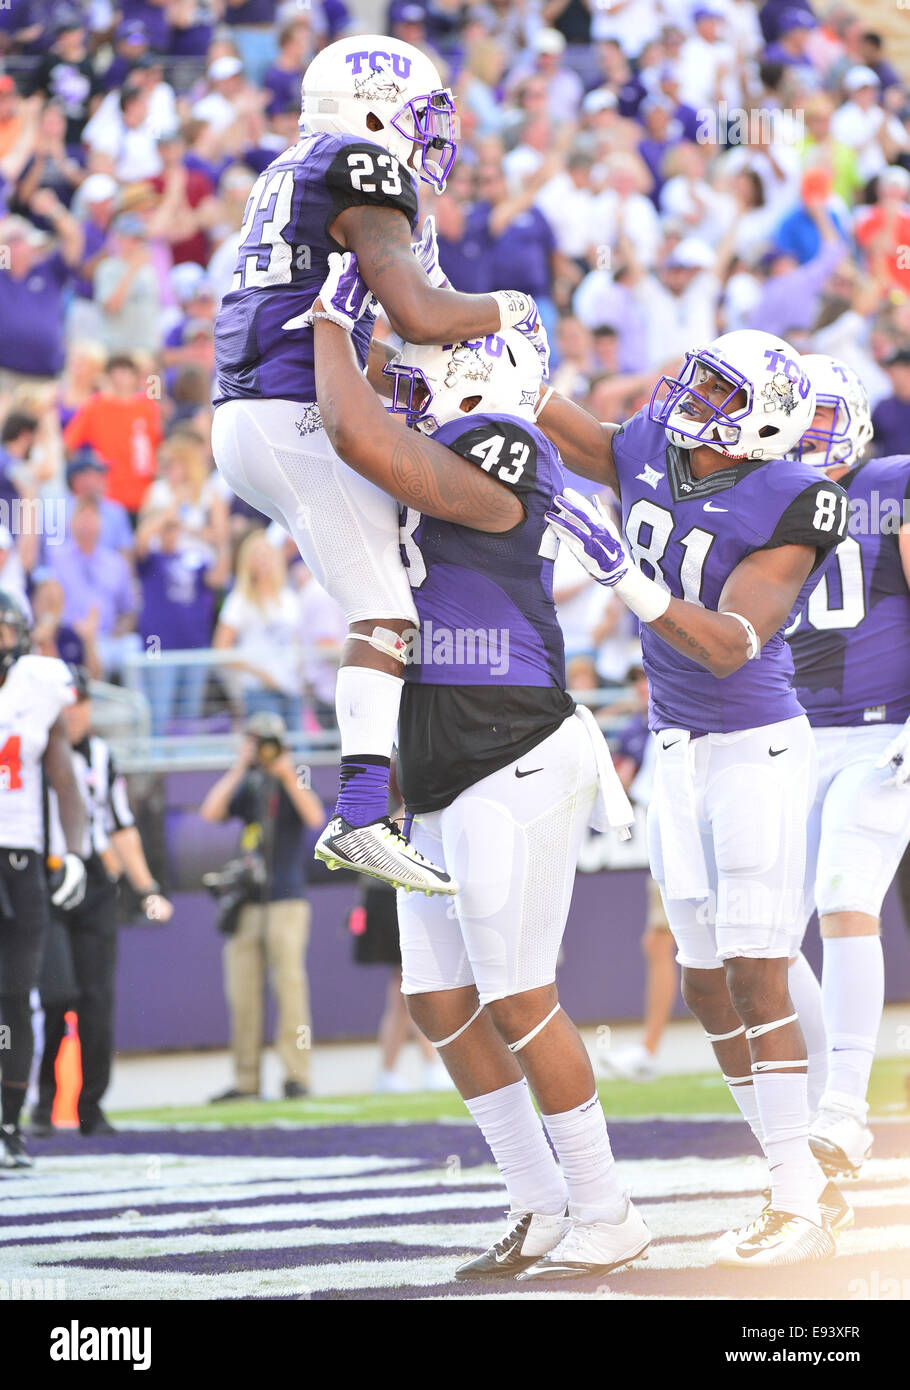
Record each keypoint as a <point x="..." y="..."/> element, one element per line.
<point x="344" y="323"/>
<point x="513" y="307"/>
<point x="642" y="596"/>
<point x="751" y="634"/>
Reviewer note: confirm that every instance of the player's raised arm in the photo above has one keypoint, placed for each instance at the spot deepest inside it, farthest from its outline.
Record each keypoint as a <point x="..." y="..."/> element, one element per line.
<point x="584" y="444"/>
<point x="418" y="312"/>
<point x="754" y="603"/>
<point x="414" y="470"/>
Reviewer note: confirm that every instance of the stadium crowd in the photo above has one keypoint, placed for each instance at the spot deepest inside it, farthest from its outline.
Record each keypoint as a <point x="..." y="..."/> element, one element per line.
<point x="652" y="171"/>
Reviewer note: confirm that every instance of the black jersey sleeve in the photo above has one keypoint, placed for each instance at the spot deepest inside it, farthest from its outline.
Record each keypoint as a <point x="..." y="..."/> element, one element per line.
<point x="817" y="516"/>
<point x="506" y="451"/>
<point x="364" y="174"/>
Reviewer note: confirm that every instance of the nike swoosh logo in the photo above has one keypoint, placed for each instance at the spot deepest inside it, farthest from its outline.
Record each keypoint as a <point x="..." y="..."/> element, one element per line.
<point x="776" y="752"/>
<point x="671" y="745"/>
<point x="709" y="507"/>
<point x="530" y="772"/>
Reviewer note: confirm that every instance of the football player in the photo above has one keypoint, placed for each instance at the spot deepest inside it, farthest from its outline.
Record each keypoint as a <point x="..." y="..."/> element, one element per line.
<point x="851" y="647"/>
<point x="34" y="691"/>
<point x="375" y="120"/>
<point x="721" y="534"/>
<point x="500" y="771"/>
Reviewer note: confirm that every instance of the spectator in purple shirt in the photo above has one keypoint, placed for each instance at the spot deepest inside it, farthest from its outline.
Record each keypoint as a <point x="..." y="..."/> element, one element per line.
<point x="131" y="41"/>
<point x="872" y="55"/>
<point x="791" y="294"/>
<point x="31" y="291"/>
<point x="891" y="417"/>
<point x="98" y="585"/>
<point x="295" y="48"/>
<point x="179" y="581"/>
<point x="789" y="48"/>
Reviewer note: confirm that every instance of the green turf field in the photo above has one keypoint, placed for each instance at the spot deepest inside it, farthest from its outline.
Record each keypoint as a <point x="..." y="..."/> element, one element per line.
<point x="700" y="1094"/>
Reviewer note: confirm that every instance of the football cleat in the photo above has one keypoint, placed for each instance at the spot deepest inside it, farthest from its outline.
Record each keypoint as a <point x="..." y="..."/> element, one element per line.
<point x="380" y="850"/>
<point x="838" y="1136"/>
<point x="629" y="1064"/>
<point x="836" y="1213"/>
<point x="591" y="1248"/>
<point x="13" y="1153"/>
<point x="531" y="1236"/>
<point x="778" y="1238"/>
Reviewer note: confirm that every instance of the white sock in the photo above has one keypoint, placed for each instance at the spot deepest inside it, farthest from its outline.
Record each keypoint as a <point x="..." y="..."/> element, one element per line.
<point x="366" y="705"/>
<point x="853" y="997"/>
<point x="784" y="1110"/>
<point x="806" y="993"/>
<point x="583" y="1147"/>
<point x="512" y="1128"/>
<point x="745" y="1098"/>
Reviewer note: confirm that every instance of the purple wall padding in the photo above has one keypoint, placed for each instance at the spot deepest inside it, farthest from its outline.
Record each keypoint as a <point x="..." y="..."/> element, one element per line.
<point x="169" y="978"/>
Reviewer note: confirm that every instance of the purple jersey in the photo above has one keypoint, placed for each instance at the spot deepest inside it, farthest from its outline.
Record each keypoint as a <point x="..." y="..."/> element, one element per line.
<point x="495" y="586"/>
<point x="851" y="639"/>
<point x="689" y="534"/>
<point x="487" y="678"/>
<point x="283" y="261"/>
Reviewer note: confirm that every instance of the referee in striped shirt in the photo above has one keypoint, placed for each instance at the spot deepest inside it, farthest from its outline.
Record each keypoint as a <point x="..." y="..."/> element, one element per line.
<point x="79" y="967"/>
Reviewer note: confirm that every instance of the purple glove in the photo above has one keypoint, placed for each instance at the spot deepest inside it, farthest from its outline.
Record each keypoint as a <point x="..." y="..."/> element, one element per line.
<point x="590" y="535"/>
<point x="344" y="295"/>
<point x="427" y="253"/>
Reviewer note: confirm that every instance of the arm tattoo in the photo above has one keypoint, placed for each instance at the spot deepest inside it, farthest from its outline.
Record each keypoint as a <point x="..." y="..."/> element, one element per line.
<point x="455" y="491"/>
<point x="699" y="652"/>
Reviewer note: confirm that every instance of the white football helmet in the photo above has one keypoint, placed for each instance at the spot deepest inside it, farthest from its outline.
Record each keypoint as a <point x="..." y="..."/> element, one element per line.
<point x="837" y="388"/>
<point x="498" y="375"/>
<point x="767" y="410"/>
<point x="371" y="74"/>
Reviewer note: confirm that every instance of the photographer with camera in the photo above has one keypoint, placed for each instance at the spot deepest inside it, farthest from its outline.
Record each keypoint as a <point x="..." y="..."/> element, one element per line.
<point x="262" y="904"/>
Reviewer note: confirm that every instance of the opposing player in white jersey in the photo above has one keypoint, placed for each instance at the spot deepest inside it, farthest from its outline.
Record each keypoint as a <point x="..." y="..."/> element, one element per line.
<point x="375" y="119"/>
<point x="722" y="532"/>
<point x="502" y="775"/>
<point x="851" y="648"/>
<point x="34" y="691"/>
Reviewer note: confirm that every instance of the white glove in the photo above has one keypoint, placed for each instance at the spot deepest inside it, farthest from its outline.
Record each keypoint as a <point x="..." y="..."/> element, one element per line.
<point x="897" y="757"/>
<point x="72" y="887"/>
<point x="427" y="253"/>
<point x="345" y="296"/>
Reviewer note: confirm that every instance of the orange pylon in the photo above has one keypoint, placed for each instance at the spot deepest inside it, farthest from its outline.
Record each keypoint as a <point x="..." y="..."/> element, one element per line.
<point x="68" y="1074"/>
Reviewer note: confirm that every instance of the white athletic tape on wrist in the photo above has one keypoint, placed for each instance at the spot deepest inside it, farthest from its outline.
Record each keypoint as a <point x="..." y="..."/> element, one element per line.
<point x="773" y="1066"/>
<point x="513" y="307"/>
<point x="385" y="640"/>
<point x="458" y="1031"/>
<point x="761" y="1028"/>
<point x="541" y="404"/>
<point x="529" y="1037"/>
<point x="642" y="596"/>
<point x="722" y="1037"/>
<point x="737" y="1080"/>
<point x="754" y="644"/>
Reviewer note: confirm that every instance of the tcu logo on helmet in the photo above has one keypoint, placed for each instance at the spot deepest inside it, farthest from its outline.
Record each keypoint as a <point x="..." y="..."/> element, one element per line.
<point x="401" y="65"/>
<point x="782" y="365"/>
<point x="778" y="394"/>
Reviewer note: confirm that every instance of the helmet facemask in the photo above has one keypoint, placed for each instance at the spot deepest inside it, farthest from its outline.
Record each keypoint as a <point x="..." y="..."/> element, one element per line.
<point x="691" y="418"/>
<point x="832" y="446"/>
<point x="430" y="122"/>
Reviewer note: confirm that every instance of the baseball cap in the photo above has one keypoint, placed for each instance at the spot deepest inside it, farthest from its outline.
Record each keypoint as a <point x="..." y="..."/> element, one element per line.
<point x="266" y="724"/>
<point x="84" y="459"/>
<point x="796" y="19"/>
<point x="407" y="12"/>
<point x="601" y="99"/>
<point x="895" y="176"/>
<point x="223" y="68"/>
<point x="98" y="188"/>
<point x="16" y="227"/>
<point x="861" y="76"/>
<point x="548" y="41"/>
<point x="132" y="31"/>
<point x="705" y="12"/>
<point x="692" y="254"/>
